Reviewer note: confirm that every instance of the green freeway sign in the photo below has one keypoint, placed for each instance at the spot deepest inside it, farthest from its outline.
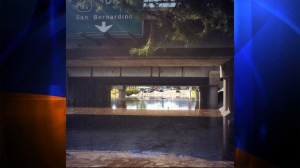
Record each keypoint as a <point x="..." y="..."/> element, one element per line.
<point x="96" y="17"/>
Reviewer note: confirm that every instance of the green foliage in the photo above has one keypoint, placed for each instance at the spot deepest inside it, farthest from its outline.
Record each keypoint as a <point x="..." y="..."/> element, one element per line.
<point x="131" y="91"/>
<point x="193" y="94"/>
<point x="147" y="50"/>
<point x="114" y="91"/>
<point x="189" y="21"/>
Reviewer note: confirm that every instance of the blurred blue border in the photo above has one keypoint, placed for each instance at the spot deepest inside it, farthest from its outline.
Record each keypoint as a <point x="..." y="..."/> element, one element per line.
<point x="33" y="52"/>
<point x="266" y="72"/>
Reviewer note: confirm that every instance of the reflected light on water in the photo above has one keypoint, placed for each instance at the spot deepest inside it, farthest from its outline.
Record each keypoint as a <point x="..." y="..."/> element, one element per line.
<point x="114" y="106"/>
<point x="155" y="104"/>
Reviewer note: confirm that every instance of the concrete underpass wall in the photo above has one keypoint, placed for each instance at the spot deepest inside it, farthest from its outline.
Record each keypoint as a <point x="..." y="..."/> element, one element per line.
<point x="141" y="71"/>
<point x="87" y="92"/>
<point x="204" y="95"/>
<point x="95" y="92"/>
<point x="90" y="86"/>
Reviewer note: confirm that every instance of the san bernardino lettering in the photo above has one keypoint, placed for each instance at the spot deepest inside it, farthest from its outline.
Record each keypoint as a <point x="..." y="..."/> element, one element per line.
<point x="101" y="16"/>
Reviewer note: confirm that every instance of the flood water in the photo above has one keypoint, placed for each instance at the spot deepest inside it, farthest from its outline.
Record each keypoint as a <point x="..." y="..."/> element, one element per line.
<point x="155" y="103"/>
<point x="209" y="138"/>
<point x="151" y="126"/>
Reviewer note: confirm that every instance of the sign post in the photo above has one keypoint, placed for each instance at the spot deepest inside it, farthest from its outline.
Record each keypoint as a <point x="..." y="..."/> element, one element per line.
<point x="96" y="17"/>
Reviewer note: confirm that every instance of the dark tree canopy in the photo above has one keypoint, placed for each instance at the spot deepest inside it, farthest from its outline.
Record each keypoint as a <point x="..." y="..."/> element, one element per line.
<point x="187" y="21"/>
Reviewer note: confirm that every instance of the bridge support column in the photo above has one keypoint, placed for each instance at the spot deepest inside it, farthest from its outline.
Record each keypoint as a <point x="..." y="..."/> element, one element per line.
<point x="204" y="96"/>
<point x="227" y="76"/>
<point x="213" y="96"/>
<point x="198" y="98"/>
<point x="225" y="95"/>
<point x="122" y="92"/>
<point x="214" y="82"/>
<point x="103" y="98"/>
<point x="121" y="96"/>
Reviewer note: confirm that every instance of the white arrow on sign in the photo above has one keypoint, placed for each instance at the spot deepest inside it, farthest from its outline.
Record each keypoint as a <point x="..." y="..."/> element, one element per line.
<point x="103" y="28"/>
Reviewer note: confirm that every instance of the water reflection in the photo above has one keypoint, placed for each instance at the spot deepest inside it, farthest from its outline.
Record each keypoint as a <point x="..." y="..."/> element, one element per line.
<point x="208" y="138"/>
<point x="155" y="103"/>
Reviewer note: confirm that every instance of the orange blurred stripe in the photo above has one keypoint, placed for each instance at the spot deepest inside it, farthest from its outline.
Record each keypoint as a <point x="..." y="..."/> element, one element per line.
<point x="33" y="130"/>
<point x="247" y="160"/>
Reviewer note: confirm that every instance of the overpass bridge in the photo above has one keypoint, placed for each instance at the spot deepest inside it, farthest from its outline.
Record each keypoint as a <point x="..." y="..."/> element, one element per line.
<point x="96" y="63"/>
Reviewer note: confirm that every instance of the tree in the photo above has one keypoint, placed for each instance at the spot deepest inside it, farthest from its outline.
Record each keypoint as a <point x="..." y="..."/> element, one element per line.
<point x="188" y="21"/>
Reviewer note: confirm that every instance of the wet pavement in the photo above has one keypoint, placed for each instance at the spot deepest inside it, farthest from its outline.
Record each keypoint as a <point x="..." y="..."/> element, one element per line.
<point x="201" y="140"/>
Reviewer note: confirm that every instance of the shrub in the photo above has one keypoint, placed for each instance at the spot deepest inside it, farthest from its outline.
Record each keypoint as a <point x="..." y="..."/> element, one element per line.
<point x="130" y="91"/>
<point x="114" y="91"/>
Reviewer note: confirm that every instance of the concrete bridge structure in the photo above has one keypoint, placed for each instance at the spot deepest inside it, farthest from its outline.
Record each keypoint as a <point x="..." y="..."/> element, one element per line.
<point x="96" y="63"/>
